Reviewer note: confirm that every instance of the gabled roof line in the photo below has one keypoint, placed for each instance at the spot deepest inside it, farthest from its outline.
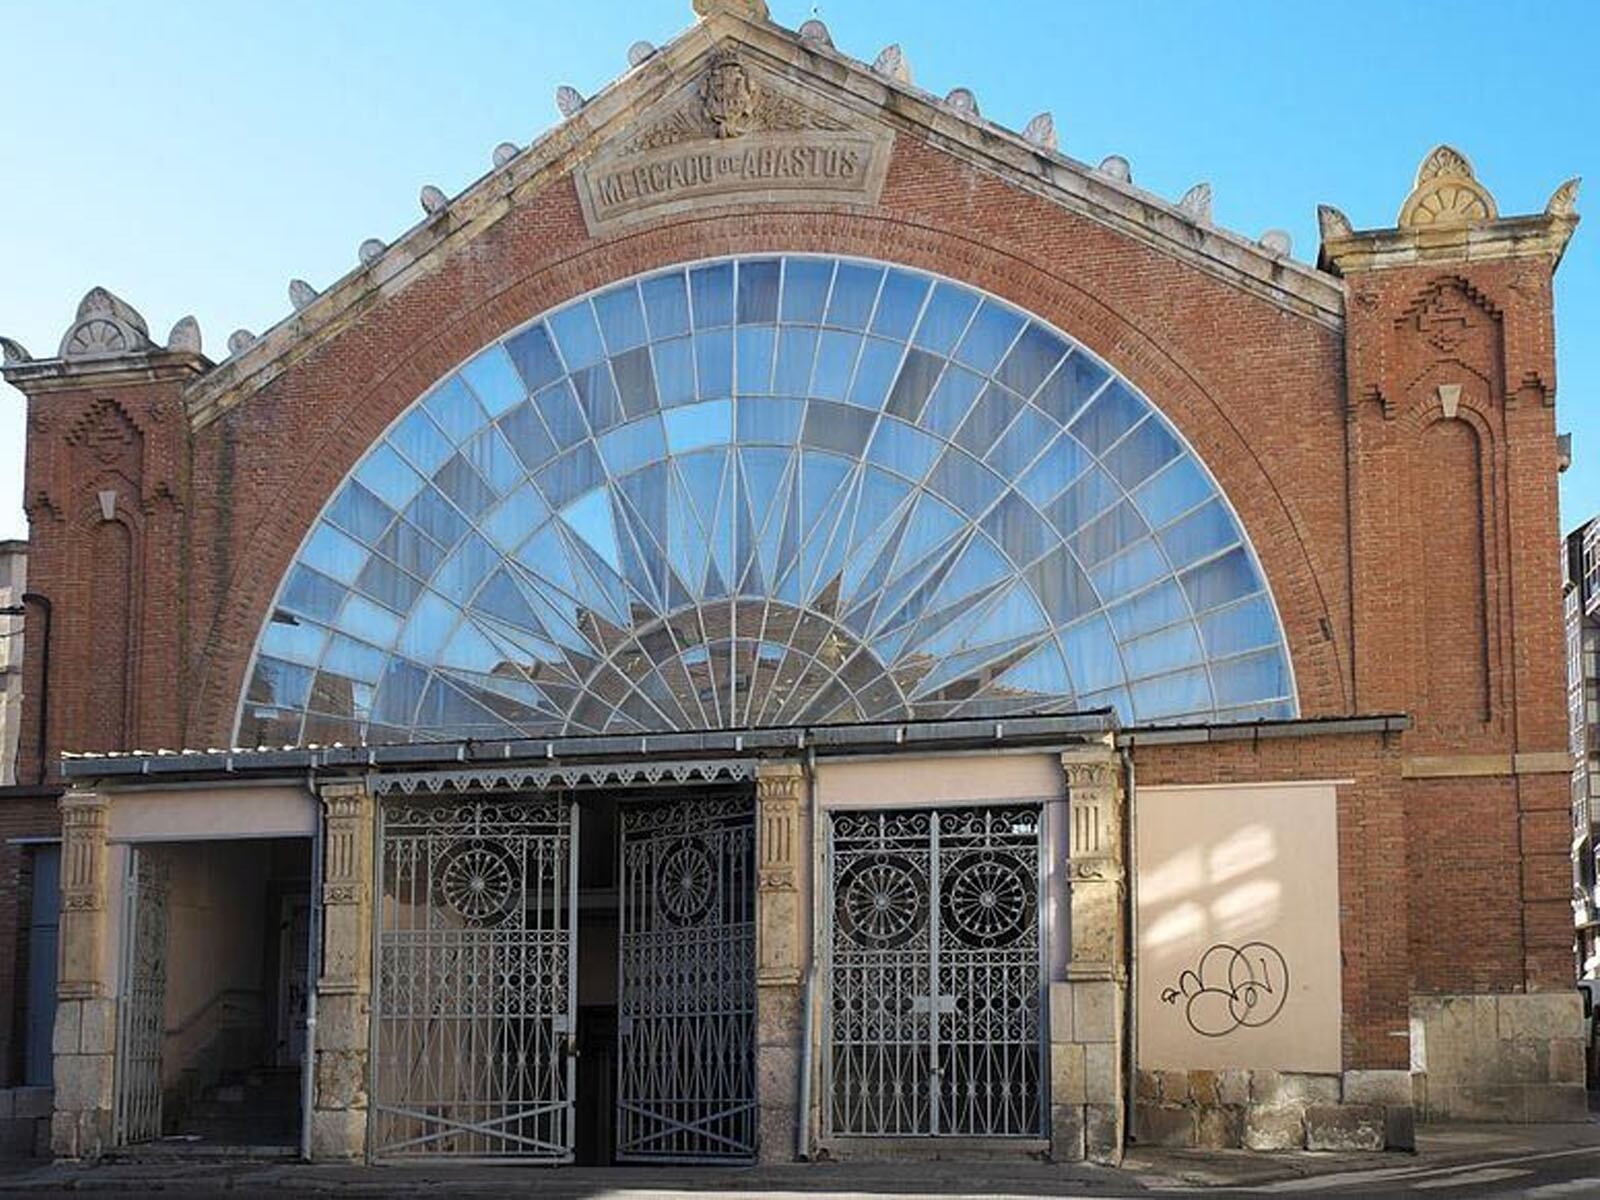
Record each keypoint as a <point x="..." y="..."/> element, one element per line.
<point x="955" y="126"/>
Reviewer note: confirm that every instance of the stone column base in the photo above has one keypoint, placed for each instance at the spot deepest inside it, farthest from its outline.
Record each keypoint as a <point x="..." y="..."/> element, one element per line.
<point x="779" y="1034"/>
<point x="1086" y="1091"/>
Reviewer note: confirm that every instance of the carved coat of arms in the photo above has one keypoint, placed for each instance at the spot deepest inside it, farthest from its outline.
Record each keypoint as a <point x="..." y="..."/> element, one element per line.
<point x="728" y="98"/>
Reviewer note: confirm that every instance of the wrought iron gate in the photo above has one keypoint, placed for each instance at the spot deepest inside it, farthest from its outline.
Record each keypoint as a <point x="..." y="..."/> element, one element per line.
<point x="476" y="974"/>
<point x="142" y="999"/>
<point x="934" y="974"/>
<point x="686" y="1020"/>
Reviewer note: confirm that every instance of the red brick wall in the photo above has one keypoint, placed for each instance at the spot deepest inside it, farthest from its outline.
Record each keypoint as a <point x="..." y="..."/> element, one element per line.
<point x="1457" y="603"/>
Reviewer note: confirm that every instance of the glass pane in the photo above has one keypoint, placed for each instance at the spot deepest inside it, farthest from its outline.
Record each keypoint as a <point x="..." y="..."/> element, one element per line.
<point x="805" y="289"/>
<point x="621" y="318"/>
<point x="899" y="305"/>
<point x="534" y="357"/>
<point x="666" y="303"/>
<point x="711" y="295"/>
<point x="945" y="318"/>
<point x="855" y="291"/>
<point x="758" y="291"/>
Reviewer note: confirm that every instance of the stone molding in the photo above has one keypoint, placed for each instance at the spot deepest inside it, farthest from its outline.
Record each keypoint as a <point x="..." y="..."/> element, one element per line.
<point x="85" y="817"/>
<point x="782" y="845"/>
<point x="1460" y="766"/>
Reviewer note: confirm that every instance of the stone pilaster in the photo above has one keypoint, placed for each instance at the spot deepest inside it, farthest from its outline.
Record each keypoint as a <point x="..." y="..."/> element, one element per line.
<point x="782" y="903"/>
<point x="85" y="1036"/>
<point x="344" y="987"/>
<point x="1087" y="1009"/>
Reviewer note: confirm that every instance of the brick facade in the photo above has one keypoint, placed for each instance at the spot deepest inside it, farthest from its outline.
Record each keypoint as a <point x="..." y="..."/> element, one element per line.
<point x="1411" y="550"/>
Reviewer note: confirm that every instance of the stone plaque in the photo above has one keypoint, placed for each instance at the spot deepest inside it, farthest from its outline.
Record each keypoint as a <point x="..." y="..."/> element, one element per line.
<point x="734" y="138"/>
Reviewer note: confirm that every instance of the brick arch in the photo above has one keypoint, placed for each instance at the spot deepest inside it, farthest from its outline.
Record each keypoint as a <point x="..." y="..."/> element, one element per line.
<point x="489" y="304"/>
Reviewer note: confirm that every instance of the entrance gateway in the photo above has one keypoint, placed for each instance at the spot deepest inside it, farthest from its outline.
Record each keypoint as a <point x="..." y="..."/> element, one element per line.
<point x="934" y="976"/>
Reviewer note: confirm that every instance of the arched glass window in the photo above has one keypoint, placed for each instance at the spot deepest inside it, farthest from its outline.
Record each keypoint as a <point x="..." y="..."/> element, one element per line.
<point x="768" y="491"/>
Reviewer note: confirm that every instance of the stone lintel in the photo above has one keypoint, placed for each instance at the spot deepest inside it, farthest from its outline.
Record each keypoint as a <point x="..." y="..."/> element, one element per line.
<point x="1542" y="235"/>
<point x="45" y="376"/>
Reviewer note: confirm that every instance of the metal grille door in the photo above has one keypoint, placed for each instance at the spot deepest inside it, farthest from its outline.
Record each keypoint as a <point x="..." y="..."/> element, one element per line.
<point x="935" y="973"/>
<point x="142" y="999"/>
<point x="686" y="1021"/>
<point x="475" y="980"/>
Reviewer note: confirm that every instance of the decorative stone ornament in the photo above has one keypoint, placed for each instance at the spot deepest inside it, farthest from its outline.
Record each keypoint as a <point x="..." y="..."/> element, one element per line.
<point x="815" y="33"/>
<point x="1450" y="398"/>
<point x="239" y="341"/>
<point x="1041" y="132"/>
<point x="963" y="101"/>
<point x="1332" y="223"/>
<point x="432" y="199"/>
<point x="12" y="353"/>
<point x="750" y="10"/>
<point x="1563" y="201"/>
<point x="504" y="153"/>
<point x="639" y="51"/>
<point x="105" y="326"/>
<point x="1278" y="241"/>
<point x="371" y="251"/>
<point x="728" y="97"/>
<point x="185" y="336"/>
<point x="1446" y="193"/>
<point x="301" y="293"/>
<point x="1116" y="167"/>
<point x="1197" y="202"/>
<point x="892" y="61"/>
<point x="568" y="100"/>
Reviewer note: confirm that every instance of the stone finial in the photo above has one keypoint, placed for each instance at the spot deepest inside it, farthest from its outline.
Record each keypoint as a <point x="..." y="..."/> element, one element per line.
<point x="892" y="61"/>
<point x="301" y="293"/>
<point x="504" y="153"/>
<point x="105" y="325"/>
<point x="432" y="199"/>
<point x="963" y="101"/>
<point x="639" y="51"/>
<point x="1041" y="131"/>
<point x="1563" y="201"/>
<point x="239" y="341"/>
<point x="1332" y="223"/>
<point x="1197" y="202"/>
<point x="568" y="100"/>
<point x="1446" y="193"/>
<point x="12" y="353"/>
<point x="1116" y="167"/>
<point x="1278" y="241"/>
<point x="371" y="251"/>
<point x="816" y="33"/>
<point x="185" y="336"/>
<point x="751" y="10"/>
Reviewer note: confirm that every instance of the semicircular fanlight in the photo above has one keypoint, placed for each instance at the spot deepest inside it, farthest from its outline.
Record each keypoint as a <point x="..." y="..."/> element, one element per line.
<point x="770" y="490"/>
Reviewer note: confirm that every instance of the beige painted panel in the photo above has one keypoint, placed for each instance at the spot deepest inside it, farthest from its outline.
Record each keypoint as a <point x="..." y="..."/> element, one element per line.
<point x="1239" y="911"/>
<point x="240" y="812"/>
<point x="906" y="780"/>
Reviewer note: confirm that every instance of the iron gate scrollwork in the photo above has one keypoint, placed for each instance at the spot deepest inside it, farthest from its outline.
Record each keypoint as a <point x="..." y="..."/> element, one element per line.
<point x="686" y="1017"/>
<point x="935" y="973"/>
<point x="474" y="996"/>
<point x="142" y="998"/>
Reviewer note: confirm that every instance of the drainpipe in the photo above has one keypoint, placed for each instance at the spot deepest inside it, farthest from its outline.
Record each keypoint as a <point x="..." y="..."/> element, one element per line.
<point x="308" y="1065"/>
<point x="802" y="1132"/>
<point x="20" y="610"/>
<point x="1130" y="856"/>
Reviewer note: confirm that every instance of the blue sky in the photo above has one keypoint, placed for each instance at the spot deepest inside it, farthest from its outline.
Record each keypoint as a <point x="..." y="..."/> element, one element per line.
<point x="193" y="158"/>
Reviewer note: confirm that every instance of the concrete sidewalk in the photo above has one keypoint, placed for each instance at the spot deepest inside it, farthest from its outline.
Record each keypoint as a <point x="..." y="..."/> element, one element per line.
<point x="1441" y="1151"/>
